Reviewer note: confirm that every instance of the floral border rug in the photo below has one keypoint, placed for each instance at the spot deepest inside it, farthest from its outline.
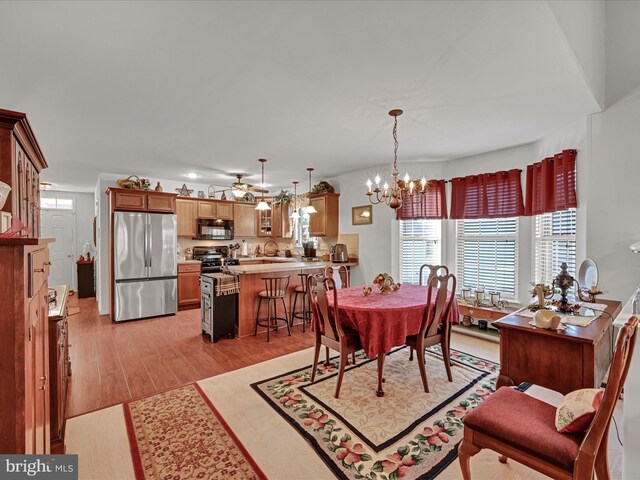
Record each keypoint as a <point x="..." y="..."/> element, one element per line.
<point x="179" y="434"/>
<point x="407" y="433"/>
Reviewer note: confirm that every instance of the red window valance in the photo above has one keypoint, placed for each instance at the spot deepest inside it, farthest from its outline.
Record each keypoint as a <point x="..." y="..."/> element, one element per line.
<point x="551" y="184"/>
<point x="488" y="195"/>
<point x="432" y="204"/>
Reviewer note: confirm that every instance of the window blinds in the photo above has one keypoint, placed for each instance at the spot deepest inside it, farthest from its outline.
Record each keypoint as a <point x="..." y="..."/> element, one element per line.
<point x="419" y="244"/>
<point x="487" y="255"/>
<point x="555" y="242"/>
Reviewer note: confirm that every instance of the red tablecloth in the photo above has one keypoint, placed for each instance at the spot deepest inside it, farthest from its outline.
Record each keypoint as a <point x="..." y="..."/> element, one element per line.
<point x="384" y="321"/>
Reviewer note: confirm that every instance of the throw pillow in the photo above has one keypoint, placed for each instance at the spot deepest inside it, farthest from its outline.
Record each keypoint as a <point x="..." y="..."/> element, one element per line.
<point x="577" y="410"/>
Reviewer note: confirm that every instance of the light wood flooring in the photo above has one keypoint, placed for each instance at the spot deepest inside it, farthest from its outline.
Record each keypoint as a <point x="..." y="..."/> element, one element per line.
<point x="112" y="363"/>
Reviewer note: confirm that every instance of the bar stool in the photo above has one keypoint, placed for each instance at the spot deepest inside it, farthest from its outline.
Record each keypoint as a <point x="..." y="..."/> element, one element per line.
<point x="275" y="288"/>
<point x="305" y="313"/>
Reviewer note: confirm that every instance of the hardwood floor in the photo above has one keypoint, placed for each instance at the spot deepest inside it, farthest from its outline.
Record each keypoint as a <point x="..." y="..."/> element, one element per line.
<point x="113" y="362"/>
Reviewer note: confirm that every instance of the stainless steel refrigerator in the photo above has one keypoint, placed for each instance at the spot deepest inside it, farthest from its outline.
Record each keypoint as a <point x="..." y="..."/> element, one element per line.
<point x="145" y="265"/>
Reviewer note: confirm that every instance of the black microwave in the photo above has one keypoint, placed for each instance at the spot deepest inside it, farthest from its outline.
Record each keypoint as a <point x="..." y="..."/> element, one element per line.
<point x="214" y="229"/>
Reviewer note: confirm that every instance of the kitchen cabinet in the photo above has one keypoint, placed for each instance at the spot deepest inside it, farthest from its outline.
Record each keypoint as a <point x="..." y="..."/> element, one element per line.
<point x="59" y="366"/>
<point x="281" y="221"/>
<point x="244" y="220"/>
<point x="188" y="285"/>
<point x="224" y="210"/>
<point x="207" y="210"/>
<point x="265" y="221"/>
<point x="128" y="200"/>
<point x="24" y="345"/>
<point x="325" y="222"/>
<point x="21" y="162"/>
<point x="186" y="215"/>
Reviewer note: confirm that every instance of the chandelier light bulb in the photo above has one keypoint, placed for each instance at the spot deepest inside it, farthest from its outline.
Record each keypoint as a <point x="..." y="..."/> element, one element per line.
<point x="411" y="186"/>
<point x="423" y="182"/>
<point x="406" y="177"/>
<point x="385" y="186"/>
<point x="377" y="180"/>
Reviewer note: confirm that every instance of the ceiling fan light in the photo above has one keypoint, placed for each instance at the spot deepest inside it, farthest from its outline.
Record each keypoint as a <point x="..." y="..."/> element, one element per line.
<point x="238" y="193"/>
<point x="262" y="205"/>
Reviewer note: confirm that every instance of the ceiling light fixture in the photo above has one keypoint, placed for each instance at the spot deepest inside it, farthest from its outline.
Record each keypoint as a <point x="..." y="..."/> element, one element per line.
<point x="393" y="196"/>
<point x="45" y="186"/>
<point x="192" y="175"/>
<point x="310" y="208"/>
<point x="262" y="205"/>
<point x="295" y="215"/>
<point x="238" y="193"/>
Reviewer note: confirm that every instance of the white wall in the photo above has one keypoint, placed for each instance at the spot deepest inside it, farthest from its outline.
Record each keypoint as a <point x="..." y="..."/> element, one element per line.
<point x="83" y="213"/>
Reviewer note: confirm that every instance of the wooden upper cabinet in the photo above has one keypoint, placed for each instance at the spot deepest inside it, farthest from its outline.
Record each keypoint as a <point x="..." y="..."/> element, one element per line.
<point x="265" y="221"/>
<point x="207" y="209"/>
<point x="161" y="202"/>
<point x="129" y="201"/>
<point x="142" y="200"/>
<point x="224" y="210"/>
<point x="21" y="162"/>
<point x="281" y="223"/>
<point x="326" y="221"/>
<point x="187" y="215"/>
<point x="244" y="220"/>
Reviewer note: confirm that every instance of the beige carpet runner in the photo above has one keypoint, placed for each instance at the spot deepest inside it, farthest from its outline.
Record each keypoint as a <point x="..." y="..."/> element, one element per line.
<point x="406" y="434"/>
<point x="179" y="435"/>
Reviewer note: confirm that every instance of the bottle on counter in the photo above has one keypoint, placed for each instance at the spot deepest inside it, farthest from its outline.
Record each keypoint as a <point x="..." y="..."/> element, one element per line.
<point x="635" y="306"/>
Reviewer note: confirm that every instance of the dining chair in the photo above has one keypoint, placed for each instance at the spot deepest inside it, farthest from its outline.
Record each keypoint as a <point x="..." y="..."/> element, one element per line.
<point x="521" y="427"/>
<point x="327" y="326"/>
<point x="433" y="271"/>
<point x="343" y="274"/>
<point x="434" y="328"/>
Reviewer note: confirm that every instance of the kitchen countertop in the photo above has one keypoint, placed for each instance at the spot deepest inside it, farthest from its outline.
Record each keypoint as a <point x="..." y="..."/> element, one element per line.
<point x="187" y="262"/>
<point x="284" y="266"/>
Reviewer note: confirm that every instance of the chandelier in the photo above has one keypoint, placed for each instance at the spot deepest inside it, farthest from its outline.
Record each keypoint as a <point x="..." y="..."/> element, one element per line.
<point x="393" y="195"/>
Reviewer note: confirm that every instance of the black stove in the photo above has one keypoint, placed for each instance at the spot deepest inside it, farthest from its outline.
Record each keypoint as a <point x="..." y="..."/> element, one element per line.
<point x="213" y="258"/>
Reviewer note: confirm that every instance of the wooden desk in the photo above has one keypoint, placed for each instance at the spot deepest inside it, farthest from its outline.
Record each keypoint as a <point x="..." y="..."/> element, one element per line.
<point x="575" y="358"/>
<point x="488" y="313"/>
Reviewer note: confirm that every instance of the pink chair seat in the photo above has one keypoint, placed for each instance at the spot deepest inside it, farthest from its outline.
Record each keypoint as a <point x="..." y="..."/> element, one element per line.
<point x="527" y="424"/>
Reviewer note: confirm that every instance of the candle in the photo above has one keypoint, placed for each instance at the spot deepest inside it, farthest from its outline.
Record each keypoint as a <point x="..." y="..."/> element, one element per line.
<point x="369" y="184"/>
<point x="377" y="180"/>
<point x="423" y="182"/>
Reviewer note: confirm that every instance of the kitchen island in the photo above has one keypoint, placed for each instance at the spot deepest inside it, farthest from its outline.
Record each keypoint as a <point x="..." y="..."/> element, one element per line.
<point x="251" y="284"/>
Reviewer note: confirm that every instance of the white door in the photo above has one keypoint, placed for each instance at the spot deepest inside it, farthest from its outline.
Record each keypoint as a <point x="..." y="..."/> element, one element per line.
<point x="60" y="224"/>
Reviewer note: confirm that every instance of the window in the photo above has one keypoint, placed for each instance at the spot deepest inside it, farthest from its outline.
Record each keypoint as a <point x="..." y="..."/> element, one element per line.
<point x="56" y="203"/>
<point x="419" y="244"/>
<point x="555" y="242"/>
<point x="487" y="255"/>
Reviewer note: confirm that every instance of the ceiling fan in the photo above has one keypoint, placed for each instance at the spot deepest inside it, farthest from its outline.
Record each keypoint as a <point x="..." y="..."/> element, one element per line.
<point x="240" y="189"/>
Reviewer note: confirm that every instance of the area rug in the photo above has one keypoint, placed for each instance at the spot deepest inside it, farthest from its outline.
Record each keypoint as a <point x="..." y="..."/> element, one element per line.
<point x="179" y="434"/>
<point x="407" y="433"/>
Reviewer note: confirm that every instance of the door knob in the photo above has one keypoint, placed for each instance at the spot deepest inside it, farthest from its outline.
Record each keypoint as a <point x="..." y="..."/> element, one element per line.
<point x="69" y="255"/>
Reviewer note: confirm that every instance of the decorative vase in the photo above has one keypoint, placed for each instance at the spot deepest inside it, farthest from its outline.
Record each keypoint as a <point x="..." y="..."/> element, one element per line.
<point x="158" y="187"/>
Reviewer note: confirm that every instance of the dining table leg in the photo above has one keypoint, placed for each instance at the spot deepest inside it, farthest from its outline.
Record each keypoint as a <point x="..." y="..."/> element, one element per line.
<point x="380" y="392"/>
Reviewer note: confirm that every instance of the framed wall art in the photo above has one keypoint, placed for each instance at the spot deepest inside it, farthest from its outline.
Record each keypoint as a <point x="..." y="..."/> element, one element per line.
<point x="362" y="215"/>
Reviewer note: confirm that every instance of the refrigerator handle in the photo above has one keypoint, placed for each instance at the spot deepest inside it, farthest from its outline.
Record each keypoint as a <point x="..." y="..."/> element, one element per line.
<point x="146" y="244"/>
<point x="149" y="243"/>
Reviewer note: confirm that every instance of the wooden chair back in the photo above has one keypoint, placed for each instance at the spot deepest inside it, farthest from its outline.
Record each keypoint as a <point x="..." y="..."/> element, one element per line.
<point x="620" y="363"/>
<point x="434" y="270"/>
<point x="439" y="300"/>
<point x="326" y="320"/>
<point x="343" y="273"/>
<point x="276" y="286"/>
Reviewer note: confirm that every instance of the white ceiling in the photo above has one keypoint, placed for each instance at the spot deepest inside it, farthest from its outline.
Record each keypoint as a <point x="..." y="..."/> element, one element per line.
<point x="160" y="89"/>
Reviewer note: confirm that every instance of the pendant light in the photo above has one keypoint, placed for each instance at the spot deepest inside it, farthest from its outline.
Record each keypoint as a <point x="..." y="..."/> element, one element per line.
<point x="310" y="208"/>
<point x="262" y="205"/>
<point x="295" y="215"/>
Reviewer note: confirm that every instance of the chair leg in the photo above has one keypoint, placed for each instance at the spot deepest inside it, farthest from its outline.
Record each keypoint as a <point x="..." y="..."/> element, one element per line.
<point x="292" y="309"/>
<point x="286" y="316"/>
<point x="255" y="332"/>
<point x="465" y="452"/>
<point x="344" y="355"/>
<point x="410" y="354"/>
<point x="446" y="357"/>
<point x="502" y="459"/>
<point x="353" y="357"/>
<point x="316" y="354"/>
<point x="422" y="367"/>
<point x="327" y="352"/>
<point x="602" y="458"/>
<point x="268" y="318"/>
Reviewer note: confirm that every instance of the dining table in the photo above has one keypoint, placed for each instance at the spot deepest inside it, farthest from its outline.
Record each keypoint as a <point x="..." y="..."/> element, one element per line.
<point x="385" y="321"/>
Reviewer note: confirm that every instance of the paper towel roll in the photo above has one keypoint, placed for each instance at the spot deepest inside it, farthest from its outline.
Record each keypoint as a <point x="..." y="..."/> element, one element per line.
<point x="244" y="250"/>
